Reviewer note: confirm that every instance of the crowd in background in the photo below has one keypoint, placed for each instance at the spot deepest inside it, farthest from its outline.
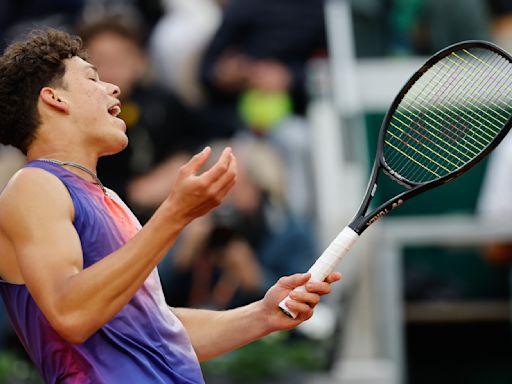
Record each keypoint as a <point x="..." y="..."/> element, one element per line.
<point x="231" y="72"/>
<point x="195" y="73"/>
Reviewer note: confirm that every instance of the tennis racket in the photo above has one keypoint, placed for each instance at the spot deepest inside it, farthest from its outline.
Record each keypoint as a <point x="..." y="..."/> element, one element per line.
<point x="451" y="114"/>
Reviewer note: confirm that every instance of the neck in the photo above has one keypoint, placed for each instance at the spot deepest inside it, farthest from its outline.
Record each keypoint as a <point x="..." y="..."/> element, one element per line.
<point x="77" y="168"/>
<point x="78" y="162"/>
<point x="86" y="160"/>
<point x="54" y="140"/>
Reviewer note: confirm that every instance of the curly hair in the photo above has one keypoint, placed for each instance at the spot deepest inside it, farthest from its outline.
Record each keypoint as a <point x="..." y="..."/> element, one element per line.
<point x="25" y="68"/>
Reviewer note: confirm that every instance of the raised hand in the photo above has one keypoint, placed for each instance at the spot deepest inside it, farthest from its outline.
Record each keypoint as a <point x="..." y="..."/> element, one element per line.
<point x="195" y="194"/>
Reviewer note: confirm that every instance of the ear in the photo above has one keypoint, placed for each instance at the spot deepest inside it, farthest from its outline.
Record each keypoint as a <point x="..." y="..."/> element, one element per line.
<point x="49" y="96"/>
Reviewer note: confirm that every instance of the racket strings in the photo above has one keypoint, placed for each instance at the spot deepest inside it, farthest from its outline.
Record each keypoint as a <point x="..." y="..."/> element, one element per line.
<point x="451" y="133"/>
<point x="418" y="128"/>
<point x="473" y="104"/>
<point x="479" y="135"/>
<point x="496" y="113"/>
<point x="492" y="68"/>
<point x="421" y="121"/>
<point x="467" y="96"/>
<point x="494" y="121"/>
<point x="453" y="129"/>
<point x="450" y="115"/>
<point x="475" y="141"/>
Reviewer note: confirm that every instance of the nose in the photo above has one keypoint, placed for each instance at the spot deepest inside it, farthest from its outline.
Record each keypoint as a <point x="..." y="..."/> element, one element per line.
<point x="114" y="90"/>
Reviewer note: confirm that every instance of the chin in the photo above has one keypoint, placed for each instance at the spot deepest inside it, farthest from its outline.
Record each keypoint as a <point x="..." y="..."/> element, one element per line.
<point x="117" y="146"/>
<point x="122" y="146"/>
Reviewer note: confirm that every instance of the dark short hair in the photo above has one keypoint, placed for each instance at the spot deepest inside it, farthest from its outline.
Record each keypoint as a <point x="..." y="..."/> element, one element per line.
<point x="26" y="67"/>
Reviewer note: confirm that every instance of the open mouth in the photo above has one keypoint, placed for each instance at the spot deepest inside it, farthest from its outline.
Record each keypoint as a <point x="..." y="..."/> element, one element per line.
<point x="115" y="110"/>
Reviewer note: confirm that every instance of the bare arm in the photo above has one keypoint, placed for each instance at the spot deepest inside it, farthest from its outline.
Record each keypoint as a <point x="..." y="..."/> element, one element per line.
<point x="216" y="332"/>
<point x="36" y="214"/>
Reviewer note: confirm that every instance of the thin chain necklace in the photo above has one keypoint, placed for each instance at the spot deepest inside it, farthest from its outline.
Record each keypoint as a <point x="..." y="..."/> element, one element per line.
<point x="79" y="166"/>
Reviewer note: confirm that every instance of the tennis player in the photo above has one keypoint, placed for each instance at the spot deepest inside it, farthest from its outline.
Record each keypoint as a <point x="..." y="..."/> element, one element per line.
<point x="78" y="273"/>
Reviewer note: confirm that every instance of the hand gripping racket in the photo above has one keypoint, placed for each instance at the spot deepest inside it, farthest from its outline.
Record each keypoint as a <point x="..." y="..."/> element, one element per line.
<point x="451" y="114"/>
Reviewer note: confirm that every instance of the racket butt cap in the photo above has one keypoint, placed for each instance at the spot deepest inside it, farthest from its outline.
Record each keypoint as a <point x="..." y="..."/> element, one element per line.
<point x="287" y="313"/>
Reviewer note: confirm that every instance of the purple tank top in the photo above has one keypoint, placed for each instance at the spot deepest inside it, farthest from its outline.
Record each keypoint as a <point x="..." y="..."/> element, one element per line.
<point x="144" y="343"/>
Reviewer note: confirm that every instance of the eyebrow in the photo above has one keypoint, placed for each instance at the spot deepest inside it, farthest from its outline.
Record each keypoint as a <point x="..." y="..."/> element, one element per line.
<point x="90" y="66"/>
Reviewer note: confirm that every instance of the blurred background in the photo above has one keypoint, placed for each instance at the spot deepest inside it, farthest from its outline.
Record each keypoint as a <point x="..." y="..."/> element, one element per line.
<point x="299" y="89"/>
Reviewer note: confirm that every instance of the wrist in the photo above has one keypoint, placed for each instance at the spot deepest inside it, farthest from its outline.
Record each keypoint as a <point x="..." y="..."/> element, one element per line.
<point x="170" y="213"/>
<point x="261" y="317"/>
<point x="166" y="224"/>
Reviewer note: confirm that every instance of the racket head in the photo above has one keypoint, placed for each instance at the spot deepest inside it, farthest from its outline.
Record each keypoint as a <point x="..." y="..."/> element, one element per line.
<point x="441" y="119"/>
<point x="450" y="114"/>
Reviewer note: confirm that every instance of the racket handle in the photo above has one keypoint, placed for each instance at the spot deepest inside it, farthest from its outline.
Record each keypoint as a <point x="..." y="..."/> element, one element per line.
<point x="326" y="263"/>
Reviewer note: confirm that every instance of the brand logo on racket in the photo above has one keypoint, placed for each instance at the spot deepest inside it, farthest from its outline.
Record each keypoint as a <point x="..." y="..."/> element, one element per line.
<point x="384" y="212"/>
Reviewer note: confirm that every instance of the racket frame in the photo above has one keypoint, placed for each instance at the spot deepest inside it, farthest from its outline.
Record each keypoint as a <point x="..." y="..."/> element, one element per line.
<point x="364" y="219"/>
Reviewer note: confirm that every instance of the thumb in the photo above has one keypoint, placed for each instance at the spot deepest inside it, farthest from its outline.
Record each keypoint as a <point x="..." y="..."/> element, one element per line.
<point x="294" y="281"/>
<point x="197" y="161"/>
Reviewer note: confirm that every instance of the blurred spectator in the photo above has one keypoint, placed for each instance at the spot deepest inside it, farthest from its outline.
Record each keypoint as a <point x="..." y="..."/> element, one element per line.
<point x="19" y="17"/>
<point x="176" y="47"/>
<point x="501" y="25"/>
<point x="178" y="41"/>
<point x="160" y="128"/>
<point x="233" y="255"/>
<point x="264" y="46"/>
<point x="255" y="68"/>
<point x="149" y="10"/>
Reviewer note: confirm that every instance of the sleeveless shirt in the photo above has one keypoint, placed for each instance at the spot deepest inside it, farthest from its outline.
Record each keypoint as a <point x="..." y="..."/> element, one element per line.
<point x="143" y="343"/>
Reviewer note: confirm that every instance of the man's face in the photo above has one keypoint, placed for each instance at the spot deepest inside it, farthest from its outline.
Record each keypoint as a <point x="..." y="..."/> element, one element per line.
<point x="93" y="107"/>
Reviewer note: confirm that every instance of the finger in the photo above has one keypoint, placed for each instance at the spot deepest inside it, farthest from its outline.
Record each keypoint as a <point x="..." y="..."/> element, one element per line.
<point x="318" y="287"/>
<point x="294" y="281"/>
<point x="197" y="161"/>
<point x="219" y="168"/>
<point x="302" y="310"/>
<point x="218" y="198"/>
<point x="311" y="299"/>
<point x="226" y="179"/>
<point x="333" y="277"/>
<point x="225" y="189"/>
<point x="229" y="173"/>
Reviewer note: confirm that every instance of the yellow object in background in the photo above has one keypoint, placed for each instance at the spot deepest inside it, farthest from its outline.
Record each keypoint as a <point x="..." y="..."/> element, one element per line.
<point x="130" y="113"/>
<point x="263" y="110"/>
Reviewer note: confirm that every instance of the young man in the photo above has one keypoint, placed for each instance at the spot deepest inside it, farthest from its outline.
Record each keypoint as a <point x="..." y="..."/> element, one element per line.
<point x="77" y="272"/>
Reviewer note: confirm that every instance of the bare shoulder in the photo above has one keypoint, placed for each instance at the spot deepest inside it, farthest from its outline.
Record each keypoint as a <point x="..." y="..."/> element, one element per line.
<point x="32" y="194"/>
<point x="32" y="199"/>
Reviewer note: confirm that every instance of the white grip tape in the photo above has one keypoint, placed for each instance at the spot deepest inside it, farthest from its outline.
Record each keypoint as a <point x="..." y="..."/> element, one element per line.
<point x="326" y="263"/>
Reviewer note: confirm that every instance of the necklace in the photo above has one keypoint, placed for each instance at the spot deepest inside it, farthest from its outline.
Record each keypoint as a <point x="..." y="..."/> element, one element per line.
<point x="79" y="166"/>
